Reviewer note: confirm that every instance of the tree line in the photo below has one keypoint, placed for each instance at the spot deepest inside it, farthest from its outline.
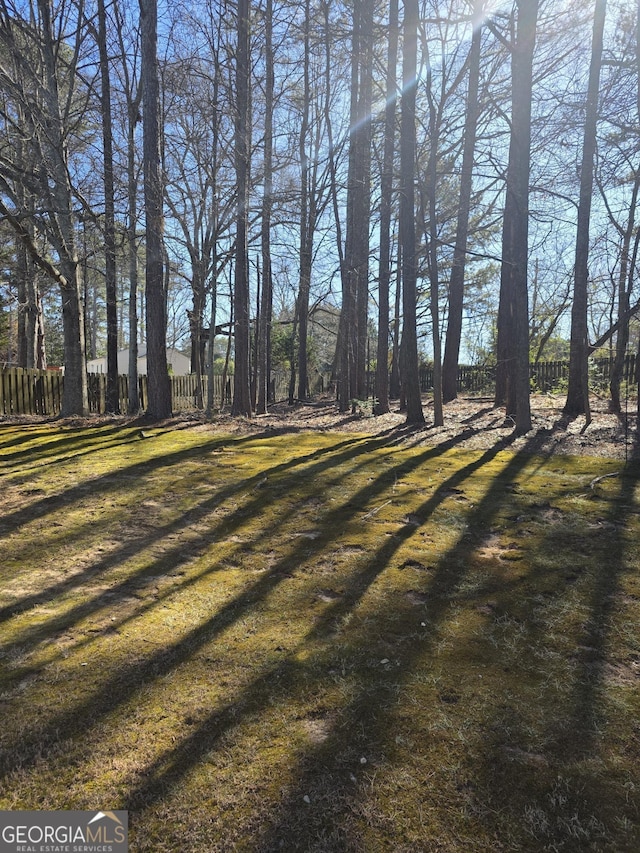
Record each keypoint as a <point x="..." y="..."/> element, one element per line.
<point x="437" y="174"/>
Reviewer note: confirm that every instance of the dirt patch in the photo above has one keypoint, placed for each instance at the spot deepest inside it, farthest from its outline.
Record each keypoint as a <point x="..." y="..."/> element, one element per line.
<point x="472" y="423"/>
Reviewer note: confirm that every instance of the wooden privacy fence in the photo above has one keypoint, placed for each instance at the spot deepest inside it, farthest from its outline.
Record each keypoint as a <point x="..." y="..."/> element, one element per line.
<point x="39" y="392"/>
<point x="473" y="379"/>
<point x="554" y="375"/>
<point x="545" y="375"/>
<point x="30" y="392"/>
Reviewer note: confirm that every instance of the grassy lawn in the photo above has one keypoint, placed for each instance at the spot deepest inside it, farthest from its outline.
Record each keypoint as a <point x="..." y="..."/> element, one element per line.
<point x="320" y="642"/>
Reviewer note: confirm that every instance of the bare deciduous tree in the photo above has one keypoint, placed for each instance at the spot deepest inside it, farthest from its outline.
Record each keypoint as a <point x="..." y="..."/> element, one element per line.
<point x="39" y="80"/>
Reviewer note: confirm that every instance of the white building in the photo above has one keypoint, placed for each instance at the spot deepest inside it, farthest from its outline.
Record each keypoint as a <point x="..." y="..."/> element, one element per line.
<point x="179" y="363"/>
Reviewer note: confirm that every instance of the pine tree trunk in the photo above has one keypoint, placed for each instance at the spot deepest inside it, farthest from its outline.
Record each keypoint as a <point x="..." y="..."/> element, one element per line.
<point x="267" y="204"/>
<point x="386" y="202"/>
<point x="362" y="189"/>
<point x="113" y="396"/>
<point x="431" y="236"/>
<point x="305" y="219"/>
<point x="625" y="285"/>
<point x="578" y="389"/>
<point x="242" y="379"/>
<point x="159" y="387"/>
<point x="513" y="318"/>
<point x="394" y="379"/>
<point x="456" y="283"/>
<point x="133" y="401"/>
<point x="410" y="373"/>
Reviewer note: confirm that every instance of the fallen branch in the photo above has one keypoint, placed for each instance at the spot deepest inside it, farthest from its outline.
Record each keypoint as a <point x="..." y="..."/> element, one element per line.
<point x="377" y="509"/>
<point x="596" y="480"/>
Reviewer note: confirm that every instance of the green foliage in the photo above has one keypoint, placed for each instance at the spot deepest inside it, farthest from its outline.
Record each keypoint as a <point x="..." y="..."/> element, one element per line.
<point x="364" y="408"/>
<point x="321" y="340"/>
<point x="219" y="362"/>
<point x="282" y="345"/>
<point x="323" y="334"/>
<point x="7" y="262"/>
<point x="53" y="327"/>
<point x="555" y="349"/>
<point x="4" y="329"/>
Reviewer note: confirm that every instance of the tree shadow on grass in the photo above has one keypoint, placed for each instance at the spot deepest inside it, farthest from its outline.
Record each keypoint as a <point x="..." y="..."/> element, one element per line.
<point x="112" y="481"/>
<point x="320" y="799"/>
<point x="169" y="564"/>
<point x="593" y="660"/>
<point x="128" y="682"/>
<point x="312" y="464"/>
<point x="73" y="443"/>
<point x="322" y="808"/>
<point x="139" y="585"/>
<point x="557" y="765"/>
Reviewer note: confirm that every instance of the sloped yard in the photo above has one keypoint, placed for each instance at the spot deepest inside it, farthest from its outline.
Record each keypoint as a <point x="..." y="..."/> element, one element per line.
<point x="319" y="640"/>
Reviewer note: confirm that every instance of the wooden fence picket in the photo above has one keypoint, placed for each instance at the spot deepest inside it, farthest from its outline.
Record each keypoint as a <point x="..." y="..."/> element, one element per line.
<point x="39" y="392"/>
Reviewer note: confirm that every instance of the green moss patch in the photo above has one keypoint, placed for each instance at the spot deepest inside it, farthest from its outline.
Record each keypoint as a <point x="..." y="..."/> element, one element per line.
<point x="319" y="641"/>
